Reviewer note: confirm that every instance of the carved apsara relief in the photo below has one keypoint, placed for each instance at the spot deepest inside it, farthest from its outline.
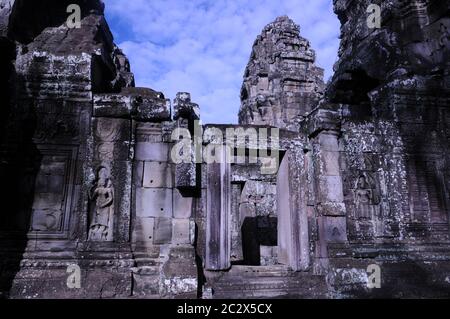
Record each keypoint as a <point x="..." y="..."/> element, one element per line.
<point x="363" y="199"/>
<point x="102" y="207"/>
<point x="368" y="213"/>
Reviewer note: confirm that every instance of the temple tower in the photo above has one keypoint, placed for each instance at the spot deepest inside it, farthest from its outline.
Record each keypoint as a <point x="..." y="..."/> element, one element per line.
<point x="281" y="81"/>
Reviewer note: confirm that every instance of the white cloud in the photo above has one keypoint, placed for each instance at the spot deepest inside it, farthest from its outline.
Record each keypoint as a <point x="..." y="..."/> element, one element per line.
<point x="203" y="46"/>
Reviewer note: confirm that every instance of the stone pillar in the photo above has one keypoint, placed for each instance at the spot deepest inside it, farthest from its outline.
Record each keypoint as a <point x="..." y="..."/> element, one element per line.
<point x="218" y="215"/>
<point x="330" y="207"/>
<point x="284" y="210"/>
<point x="186" y="114"/>
<point x="293" y="230"/>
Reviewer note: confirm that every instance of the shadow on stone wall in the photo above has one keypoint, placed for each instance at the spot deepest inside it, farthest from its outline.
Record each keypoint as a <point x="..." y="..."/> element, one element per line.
<point x="20" y="162"/>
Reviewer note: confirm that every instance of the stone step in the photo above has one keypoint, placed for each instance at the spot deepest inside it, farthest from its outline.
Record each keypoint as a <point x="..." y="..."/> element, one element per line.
<point x="147" y="271"/>
<point x="146" y="262"/>
<point x="269" y="271"/>
<point x="268" y="282"/>
<point x="145" y="254"/>
<point x="145" y="258"/>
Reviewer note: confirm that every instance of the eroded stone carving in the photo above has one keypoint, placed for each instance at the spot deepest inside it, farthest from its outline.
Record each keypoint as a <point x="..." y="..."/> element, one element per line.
<point x="281" y="81"/>
<point x="102" y="201"/>
<point x="345" y="195"/>
<point x="363" y="198"/>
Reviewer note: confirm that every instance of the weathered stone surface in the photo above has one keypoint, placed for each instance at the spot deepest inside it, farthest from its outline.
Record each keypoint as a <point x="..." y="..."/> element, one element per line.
<point x="143" y="229"/>
<point x="184" y="108"/>
<point x="156" y="152"/>
<point x="384" y="78"/>
<point x="158" y="175"/>
<point x="186" y="176"/>
<point x="183" y="231"/>
<point x="163" y="231"/>
<point x="179" y="273"/>
<point x="154" y="202"/>
<point x="87" y="178"/>
<point x="138" y="173"/>
<point x="138" y="103"/>
<point x="5" y="13"/>
<point x="413" y="41"/>
<point x="182" y="205"/>
<point x="218" y="218"/>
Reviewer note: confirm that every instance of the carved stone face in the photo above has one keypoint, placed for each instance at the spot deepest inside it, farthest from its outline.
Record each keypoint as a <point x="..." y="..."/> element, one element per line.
<point x="102" y="177"/>
<point x="362" y="182"/>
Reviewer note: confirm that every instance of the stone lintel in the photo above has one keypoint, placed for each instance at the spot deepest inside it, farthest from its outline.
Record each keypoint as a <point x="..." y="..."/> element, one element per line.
<point x="140" y="104"/>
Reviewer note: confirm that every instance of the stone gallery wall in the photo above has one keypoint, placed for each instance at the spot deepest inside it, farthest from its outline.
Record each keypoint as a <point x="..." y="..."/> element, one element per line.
<point x="96" y="202"/>
<point x="391" y="91"/>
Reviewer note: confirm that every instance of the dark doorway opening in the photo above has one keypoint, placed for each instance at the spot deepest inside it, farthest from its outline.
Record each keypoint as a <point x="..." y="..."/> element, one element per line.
<point x="258" y="232"/>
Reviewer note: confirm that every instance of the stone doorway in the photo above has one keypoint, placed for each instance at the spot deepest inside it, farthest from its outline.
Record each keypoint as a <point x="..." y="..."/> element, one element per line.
<point x="256" y="220"/>
<point x="256" y="232"/>
<point x="259" y="241"/>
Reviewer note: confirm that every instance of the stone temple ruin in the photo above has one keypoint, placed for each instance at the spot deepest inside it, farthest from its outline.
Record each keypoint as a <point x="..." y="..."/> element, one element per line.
<point x="88" y="185"/>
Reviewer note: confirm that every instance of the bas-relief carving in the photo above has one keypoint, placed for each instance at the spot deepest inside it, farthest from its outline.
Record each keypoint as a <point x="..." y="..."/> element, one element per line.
<point x="101" y="195"/>
<point x="427" y="194"/>
<point x="108" y="137"/>
<point x="444" y="38"/>
<point x="369" y="213"/>
<point x="105" y="151"/>
<point x="363" y="199"/>
<point x="55" y="120"/>
<point x="102" y="207"/>
<point x="57" y="126"/>
<point x="281" y="64"/>
<point x="108" y="130"/>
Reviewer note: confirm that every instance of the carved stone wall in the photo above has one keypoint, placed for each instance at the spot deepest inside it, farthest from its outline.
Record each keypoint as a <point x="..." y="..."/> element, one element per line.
<point x="90" y="174"/>
<point x="281" y="81"/>
<point x="391" y="86"/>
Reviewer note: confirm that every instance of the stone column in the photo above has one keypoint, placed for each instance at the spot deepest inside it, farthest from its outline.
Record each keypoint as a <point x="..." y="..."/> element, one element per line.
<point x="324" y="133"/>
<point x="293" y="230"/>
<point x="186" y="115"/>
<point x="218" y="215"/>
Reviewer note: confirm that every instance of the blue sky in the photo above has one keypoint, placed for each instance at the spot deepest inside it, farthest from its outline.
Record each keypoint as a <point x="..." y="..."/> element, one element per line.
<point x="203" y="46"/>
